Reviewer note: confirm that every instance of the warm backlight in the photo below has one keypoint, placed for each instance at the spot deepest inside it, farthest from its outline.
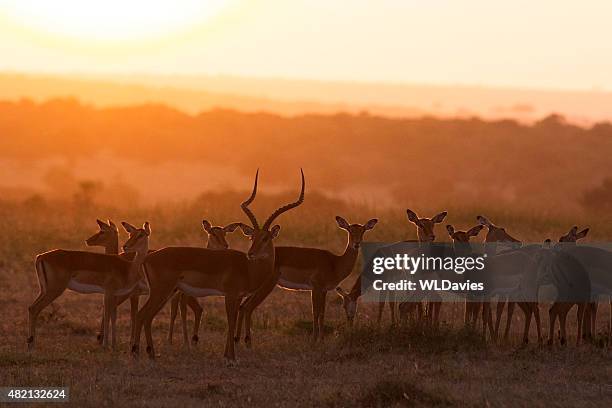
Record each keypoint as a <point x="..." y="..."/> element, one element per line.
<point x="110" y="20"/>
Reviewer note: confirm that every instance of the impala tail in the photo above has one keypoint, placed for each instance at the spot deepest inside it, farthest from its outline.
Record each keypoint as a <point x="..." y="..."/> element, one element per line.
<point x="40" y="273"/>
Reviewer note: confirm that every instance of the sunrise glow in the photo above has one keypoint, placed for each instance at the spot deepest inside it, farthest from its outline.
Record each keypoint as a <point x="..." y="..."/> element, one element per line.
<point x="110" y="20"/>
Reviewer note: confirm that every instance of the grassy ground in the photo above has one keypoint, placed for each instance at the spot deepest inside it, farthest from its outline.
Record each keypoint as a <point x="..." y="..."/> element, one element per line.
<point x="366" y="366"/>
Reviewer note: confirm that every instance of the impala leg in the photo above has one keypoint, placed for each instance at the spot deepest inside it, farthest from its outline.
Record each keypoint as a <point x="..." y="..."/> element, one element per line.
<point x="113" y="322"/>
<point x="420" y="313"/>
<point x="594" y="318"/>
<point x="392" y="308"/>
<point x="315" y="294"/>
<point x="509" y="320"/>
<point x="42" y="301"/>
<point x="437" y="306"/>
<point x="552" y="317"/>
<point x="484" y="321"/>
<point x="232" y="304"/>
<point x="498" y="314"/>
<point x="536" y="312"/>
<point x="527" y="311"/>
<point x="118" y="300"/>
<point x="321" y="322"/>
<point x="580" y="317"/>
<point x="586" y="321"/>
<point x="149" y="322"/>
<point x="133" y="311"/>
<point x="589" y="319"/>
<point x="474" y="309"/>
<point x="562" y="317"/>
<point x="157" y="299"/>
<point x="241" y="312"/>
<point x="174" y="304"/>
<point x="250" y="306"/>
<point x="100" y="335"/>
<point x="108" y="299"/>
<point x="183" y="310"/>
<point x="489" y="314"/>
<point x="194" y="305"/>
<point x="381" y="306"/>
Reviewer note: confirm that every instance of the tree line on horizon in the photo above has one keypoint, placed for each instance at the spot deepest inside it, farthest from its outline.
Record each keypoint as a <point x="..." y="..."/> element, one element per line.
<point x="441" y="160"/>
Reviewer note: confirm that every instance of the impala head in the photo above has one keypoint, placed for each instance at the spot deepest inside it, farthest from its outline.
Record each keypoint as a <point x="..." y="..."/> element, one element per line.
<point x="139" y="238"/>
<point x="425" y="226"/>
<point x="107" y="237"/>
<point x="217" y="235"/>
<point x="355" y="231"/>
<point x="573" y="235"/>
<point x="349" y="304"/>
<point x="463" y="236"/>
<point x="495" y="233"/>
<point x="262" y="246"/>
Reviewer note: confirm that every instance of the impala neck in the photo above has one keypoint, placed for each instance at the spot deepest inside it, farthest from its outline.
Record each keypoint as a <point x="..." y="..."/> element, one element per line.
<point x="263" y="267"/>
<point x="136" y="264"/>
<point x="347" y="260"/>
<point x="112" y="248"/>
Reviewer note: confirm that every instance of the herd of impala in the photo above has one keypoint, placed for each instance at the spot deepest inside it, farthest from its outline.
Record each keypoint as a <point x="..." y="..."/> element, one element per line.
<point x="182" y="274"/>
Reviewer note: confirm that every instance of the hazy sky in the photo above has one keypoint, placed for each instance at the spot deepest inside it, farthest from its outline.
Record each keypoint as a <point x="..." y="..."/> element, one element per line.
<point x="550" y="44"/>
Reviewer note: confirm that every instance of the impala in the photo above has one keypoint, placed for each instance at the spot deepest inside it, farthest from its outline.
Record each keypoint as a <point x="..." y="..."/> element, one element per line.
<point x="204" y="272"/>
<point x="108" y="238"/>
<point x="89" y="272"/>
<point x="319" y="270"/>
<point x="472" y="308"/>
<point x="591" y="309"/>
<point x="496" y="234"/>
<point x="216" y="240"/>
<point x="561" y="309"/>
<point x="425" y="233"/>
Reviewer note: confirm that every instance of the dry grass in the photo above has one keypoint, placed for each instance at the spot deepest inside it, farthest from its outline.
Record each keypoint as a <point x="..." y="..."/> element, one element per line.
<point x="366" y="366"/>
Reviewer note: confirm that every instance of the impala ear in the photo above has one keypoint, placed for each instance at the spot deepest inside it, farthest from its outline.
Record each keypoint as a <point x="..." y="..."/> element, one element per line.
<point x="450" y="230"/>
<point x="412" y="217"/>
<point x="129" y="228"/>
<point x="231" y="227"/>
<point x="113" y="226"/>
<point x="274" y="231"/>
<point x="440" y="217"/>
<point x="147" y="227"/>
<point x="370" y="224"/>
<point x="102" y="224"/>
<point x="342" y="222"/>
<point x="582" y="233"/>
<point x="475" y="230"/>
<point x="482" y="220"/>
<point x="246" y="229"/>
<point x="573" y="230"/>
<point x="207" y="226"/>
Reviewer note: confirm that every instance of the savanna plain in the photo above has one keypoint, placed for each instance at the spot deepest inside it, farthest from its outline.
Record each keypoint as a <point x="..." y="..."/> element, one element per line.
<point x="366" y="365"/>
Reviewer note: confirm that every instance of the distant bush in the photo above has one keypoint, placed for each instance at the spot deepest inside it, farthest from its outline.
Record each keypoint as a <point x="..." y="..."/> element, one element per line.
<point x="598" y="199"/>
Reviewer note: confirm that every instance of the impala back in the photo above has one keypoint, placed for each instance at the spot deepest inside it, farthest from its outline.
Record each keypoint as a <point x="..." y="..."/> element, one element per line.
<point x="85" y="272"/>
<point x="300" y="268"/>
<point x="201" y="272"/>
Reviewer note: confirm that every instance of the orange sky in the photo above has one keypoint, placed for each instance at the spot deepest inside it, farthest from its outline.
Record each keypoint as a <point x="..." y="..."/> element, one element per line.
<point x="543" y="44"/>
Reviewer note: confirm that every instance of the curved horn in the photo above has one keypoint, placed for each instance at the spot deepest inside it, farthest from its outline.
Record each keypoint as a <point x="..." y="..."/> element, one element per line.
<point x="245" y="205"/>
<point x="287" y="207"/>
